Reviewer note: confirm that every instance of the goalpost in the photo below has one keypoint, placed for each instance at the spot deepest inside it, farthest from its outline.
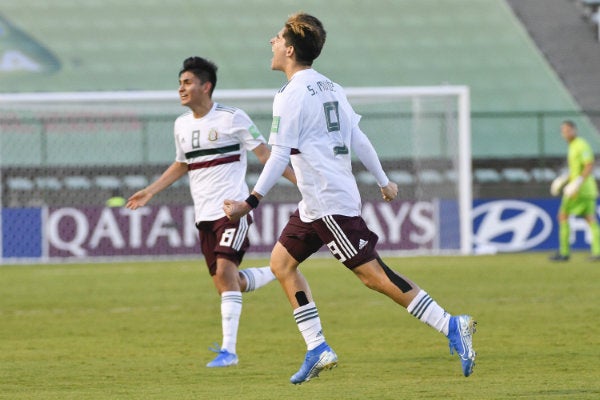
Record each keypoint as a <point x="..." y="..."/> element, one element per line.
<point x="444" y="110"/>
<point x="53" y="142"/>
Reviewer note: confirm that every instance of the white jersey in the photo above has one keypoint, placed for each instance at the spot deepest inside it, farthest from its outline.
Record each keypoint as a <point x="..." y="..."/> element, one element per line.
<point x="215" y="149"/>
<point x="312" y="116"/>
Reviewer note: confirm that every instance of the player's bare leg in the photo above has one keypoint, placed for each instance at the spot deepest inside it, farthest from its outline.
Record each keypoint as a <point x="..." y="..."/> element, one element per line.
<point x="376" y="275"/>
<point x="285" y="268"/>
<point x="226" y="278"/>
<point x="319" y="355"/>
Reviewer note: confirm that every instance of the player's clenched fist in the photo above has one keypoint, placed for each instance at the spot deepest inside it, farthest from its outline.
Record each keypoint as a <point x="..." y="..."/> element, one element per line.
<point x="235" y="210"/>
<point x="389" y="191"/>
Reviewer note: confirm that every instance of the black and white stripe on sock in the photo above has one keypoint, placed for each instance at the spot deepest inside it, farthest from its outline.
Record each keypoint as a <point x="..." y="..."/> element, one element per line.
<point x="250" y="282"/>
<point x="421" y="306"/>
<point x="306" y="314"/>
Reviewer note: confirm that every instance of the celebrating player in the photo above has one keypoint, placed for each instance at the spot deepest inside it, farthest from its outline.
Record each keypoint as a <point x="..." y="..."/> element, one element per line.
<point x="315" y="127"/>
<point x="211" y="143"/>
<point x="579" y="193"/>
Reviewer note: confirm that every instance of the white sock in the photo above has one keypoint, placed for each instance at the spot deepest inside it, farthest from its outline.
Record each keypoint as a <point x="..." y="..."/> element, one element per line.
<point x="309" y="324"/>
<point x="427" y="310"/>
<point x="231" y="309"/>
<point x="257" y="277"/>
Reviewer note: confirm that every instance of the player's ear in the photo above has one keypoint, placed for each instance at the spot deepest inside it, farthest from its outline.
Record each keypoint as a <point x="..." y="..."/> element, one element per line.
<point x="290" y="51"/>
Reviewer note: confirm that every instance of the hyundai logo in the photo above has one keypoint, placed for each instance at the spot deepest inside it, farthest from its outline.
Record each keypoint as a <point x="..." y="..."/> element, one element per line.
<point x="509" y="225"/>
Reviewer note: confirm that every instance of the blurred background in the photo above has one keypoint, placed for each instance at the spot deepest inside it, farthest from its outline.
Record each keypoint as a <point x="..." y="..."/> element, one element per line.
<point x="529" y="64"/>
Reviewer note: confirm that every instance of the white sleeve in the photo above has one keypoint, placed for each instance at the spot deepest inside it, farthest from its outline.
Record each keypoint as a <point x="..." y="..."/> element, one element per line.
<point x="179" y="153"/>
<point x="368" y="156"/>
<point x="287" y="118"/>
<point x="273" y="169"/>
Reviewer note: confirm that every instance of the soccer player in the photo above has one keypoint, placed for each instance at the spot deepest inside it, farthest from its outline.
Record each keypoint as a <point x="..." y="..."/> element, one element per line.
<point x="315" y="127"/>
<point x="579" y="194"/>
<point x="211" y="143"/>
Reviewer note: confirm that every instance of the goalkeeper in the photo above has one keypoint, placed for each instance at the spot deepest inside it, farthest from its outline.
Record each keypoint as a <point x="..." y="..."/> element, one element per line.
<point x="579" y="192"/>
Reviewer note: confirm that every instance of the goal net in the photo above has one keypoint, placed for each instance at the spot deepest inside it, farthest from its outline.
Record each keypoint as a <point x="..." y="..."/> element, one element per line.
<point x="64" y="155"/>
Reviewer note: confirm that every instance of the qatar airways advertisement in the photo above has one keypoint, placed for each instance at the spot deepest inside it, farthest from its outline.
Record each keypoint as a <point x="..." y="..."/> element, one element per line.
<point x="83" y="232"/>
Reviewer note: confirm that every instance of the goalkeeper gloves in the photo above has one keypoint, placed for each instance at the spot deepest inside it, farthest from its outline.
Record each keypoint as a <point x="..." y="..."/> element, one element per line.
<point x="558" y="183"/>
<point x="573" y="187"/>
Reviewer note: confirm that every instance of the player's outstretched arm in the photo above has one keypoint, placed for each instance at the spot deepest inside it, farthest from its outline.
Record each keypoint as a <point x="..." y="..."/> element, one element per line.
<point x="138" y="199"/>
<point x="142" y="197"/>
<point x="361" y="145"/>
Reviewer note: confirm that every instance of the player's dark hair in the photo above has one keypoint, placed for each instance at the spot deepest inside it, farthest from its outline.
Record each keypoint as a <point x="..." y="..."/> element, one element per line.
<point x="307" y="35"/>
<point x="570" y="124"/>
<point x="202" y="68"/>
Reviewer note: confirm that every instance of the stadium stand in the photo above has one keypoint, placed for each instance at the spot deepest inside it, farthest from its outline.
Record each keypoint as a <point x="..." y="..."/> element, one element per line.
<point x="570" y="47"/>
<point x="426" y="44"/>
<point x="517" y="96"/>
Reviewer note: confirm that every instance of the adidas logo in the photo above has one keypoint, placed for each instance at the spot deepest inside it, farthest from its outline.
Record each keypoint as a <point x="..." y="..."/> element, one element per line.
<point x="362" y="243"/>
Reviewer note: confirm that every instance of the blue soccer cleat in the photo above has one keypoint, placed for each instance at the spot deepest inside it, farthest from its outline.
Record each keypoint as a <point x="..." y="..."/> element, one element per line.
<point x="460" y="335"/>
<point x="318" y="359"/>
<point x="223" y="359"/>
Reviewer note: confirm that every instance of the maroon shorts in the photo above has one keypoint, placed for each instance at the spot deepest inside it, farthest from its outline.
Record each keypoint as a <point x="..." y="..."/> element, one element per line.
<point x="348" y="238"/>
<point x="224" y="238"/>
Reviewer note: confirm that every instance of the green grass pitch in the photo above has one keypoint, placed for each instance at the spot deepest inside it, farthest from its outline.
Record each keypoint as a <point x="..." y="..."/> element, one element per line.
<point x="141" y="331"/>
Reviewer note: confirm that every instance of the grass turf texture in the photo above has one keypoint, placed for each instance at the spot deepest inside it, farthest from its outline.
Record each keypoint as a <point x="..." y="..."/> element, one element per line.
<point x="141" y="331"/>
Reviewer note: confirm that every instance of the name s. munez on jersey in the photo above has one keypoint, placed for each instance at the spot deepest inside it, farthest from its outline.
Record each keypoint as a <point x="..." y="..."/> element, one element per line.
<point x="322" y="86"/>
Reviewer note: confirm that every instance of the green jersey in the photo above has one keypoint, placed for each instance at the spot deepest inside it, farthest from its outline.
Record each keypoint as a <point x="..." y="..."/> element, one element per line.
<point x="580" y="154"/>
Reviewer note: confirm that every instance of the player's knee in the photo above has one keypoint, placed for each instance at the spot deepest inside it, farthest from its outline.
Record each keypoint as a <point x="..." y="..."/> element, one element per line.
<point x="370" y="278"/>
<point x="279" y="269"/>
<point x="368" y="281"/>
<point x="282" y="263"/>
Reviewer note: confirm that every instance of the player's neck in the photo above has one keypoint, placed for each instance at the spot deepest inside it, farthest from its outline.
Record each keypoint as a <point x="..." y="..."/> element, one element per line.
<point x="292" y="69"/>
<point x="200" y="110"/>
